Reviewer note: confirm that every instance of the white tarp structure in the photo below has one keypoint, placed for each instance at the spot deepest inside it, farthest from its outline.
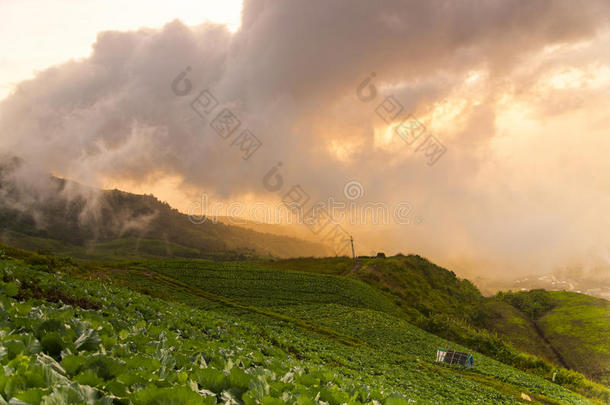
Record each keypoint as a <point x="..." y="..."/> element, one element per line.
<point x="454" y="357"/>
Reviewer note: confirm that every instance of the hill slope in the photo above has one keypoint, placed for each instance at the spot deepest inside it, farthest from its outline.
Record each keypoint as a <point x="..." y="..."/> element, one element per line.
<point x="110" y="344"/>
<point x="64" y="217"/>
<point x="573" y="329"/>
<point x="566" y="329"/>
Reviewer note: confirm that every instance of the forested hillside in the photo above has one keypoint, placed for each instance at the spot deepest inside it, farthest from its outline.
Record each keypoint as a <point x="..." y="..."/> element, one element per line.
<point x="60" y="216"/>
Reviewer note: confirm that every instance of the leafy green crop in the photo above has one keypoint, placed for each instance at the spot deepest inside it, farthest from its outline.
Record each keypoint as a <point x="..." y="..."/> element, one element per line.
<point x="98" y="344"/>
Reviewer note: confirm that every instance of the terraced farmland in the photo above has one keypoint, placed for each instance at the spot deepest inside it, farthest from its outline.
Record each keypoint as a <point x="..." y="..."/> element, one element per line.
<point x="209" y="328"/>
<point x="132" y="348"/>
<point x="259" y="285"/>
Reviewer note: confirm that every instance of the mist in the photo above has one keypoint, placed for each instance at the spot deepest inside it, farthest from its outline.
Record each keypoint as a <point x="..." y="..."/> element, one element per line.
<point x="515" y="92"/>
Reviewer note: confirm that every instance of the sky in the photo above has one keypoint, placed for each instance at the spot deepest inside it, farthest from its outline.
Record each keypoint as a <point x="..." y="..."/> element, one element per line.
<point x="37" y="34"/>
<point x="481" y="128"/>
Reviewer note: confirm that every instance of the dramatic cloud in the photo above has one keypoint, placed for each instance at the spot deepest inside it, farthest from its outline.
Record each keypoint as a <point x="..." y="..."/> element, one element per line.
<point x="515" y="90"/>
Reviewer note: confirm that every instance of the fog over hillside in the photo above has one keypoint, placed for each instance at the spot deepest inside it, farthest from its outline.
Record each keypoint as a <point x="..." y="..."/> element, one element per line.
<point x="64" y="217"/>
<point x="516" y="93"/>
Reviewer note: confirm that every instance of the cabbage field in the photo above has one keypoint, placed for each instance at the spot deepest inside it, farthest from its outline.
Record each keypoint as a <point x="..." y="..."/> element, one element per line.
<point x="65" y="340"/>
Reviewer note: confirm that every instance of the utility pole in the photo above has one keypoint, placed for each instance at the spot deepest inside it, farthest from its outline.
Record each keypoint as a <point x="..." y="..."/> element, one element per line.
<point x="351" y="239"/>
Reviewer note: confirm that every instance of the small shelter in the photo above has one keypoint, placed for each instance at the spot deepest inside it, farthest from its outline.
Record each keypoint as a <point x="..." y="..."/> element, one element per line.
<point x="454" y="357"/>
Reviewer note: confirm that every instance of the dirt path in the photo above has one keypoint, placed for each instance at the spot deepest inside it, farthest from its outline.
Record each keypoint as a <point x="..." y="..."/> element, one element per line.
<point x="357" y="265"/>
<point x="562" y="361"/>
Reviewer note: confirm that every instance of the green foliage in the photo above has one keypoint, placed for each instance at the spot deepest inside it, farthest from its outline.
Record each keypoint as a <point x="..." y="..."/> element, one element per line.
<point x="569" y="329"/>
<point x="211" y="379"/>
<point x="170" y="396"/>
<point x="533" y="303"/>
<point x="259" y="285"/>
<point x="9" y="289"/>
<point x="214" y="350"/>
<point x="52" y="344"/>
<point x="436" y="300"/>
<point x="421" y="288"/>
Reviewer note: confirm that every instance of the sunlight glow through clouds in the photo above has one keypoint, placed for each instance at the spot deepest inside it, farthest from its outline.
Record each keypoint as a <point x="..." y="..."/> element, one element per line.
<point x="521" y="110"/>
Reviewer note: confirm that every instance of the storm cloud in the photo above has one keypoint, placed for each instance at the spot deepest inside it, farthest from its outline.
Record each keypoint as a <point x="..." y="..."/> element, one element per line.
<point x="290" y="74"/>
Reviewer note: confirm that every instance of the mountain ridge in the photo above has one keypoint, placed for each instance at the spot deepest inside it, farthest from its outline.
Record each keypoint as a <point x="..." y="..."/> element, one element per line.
<point x="62" y="211"/>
